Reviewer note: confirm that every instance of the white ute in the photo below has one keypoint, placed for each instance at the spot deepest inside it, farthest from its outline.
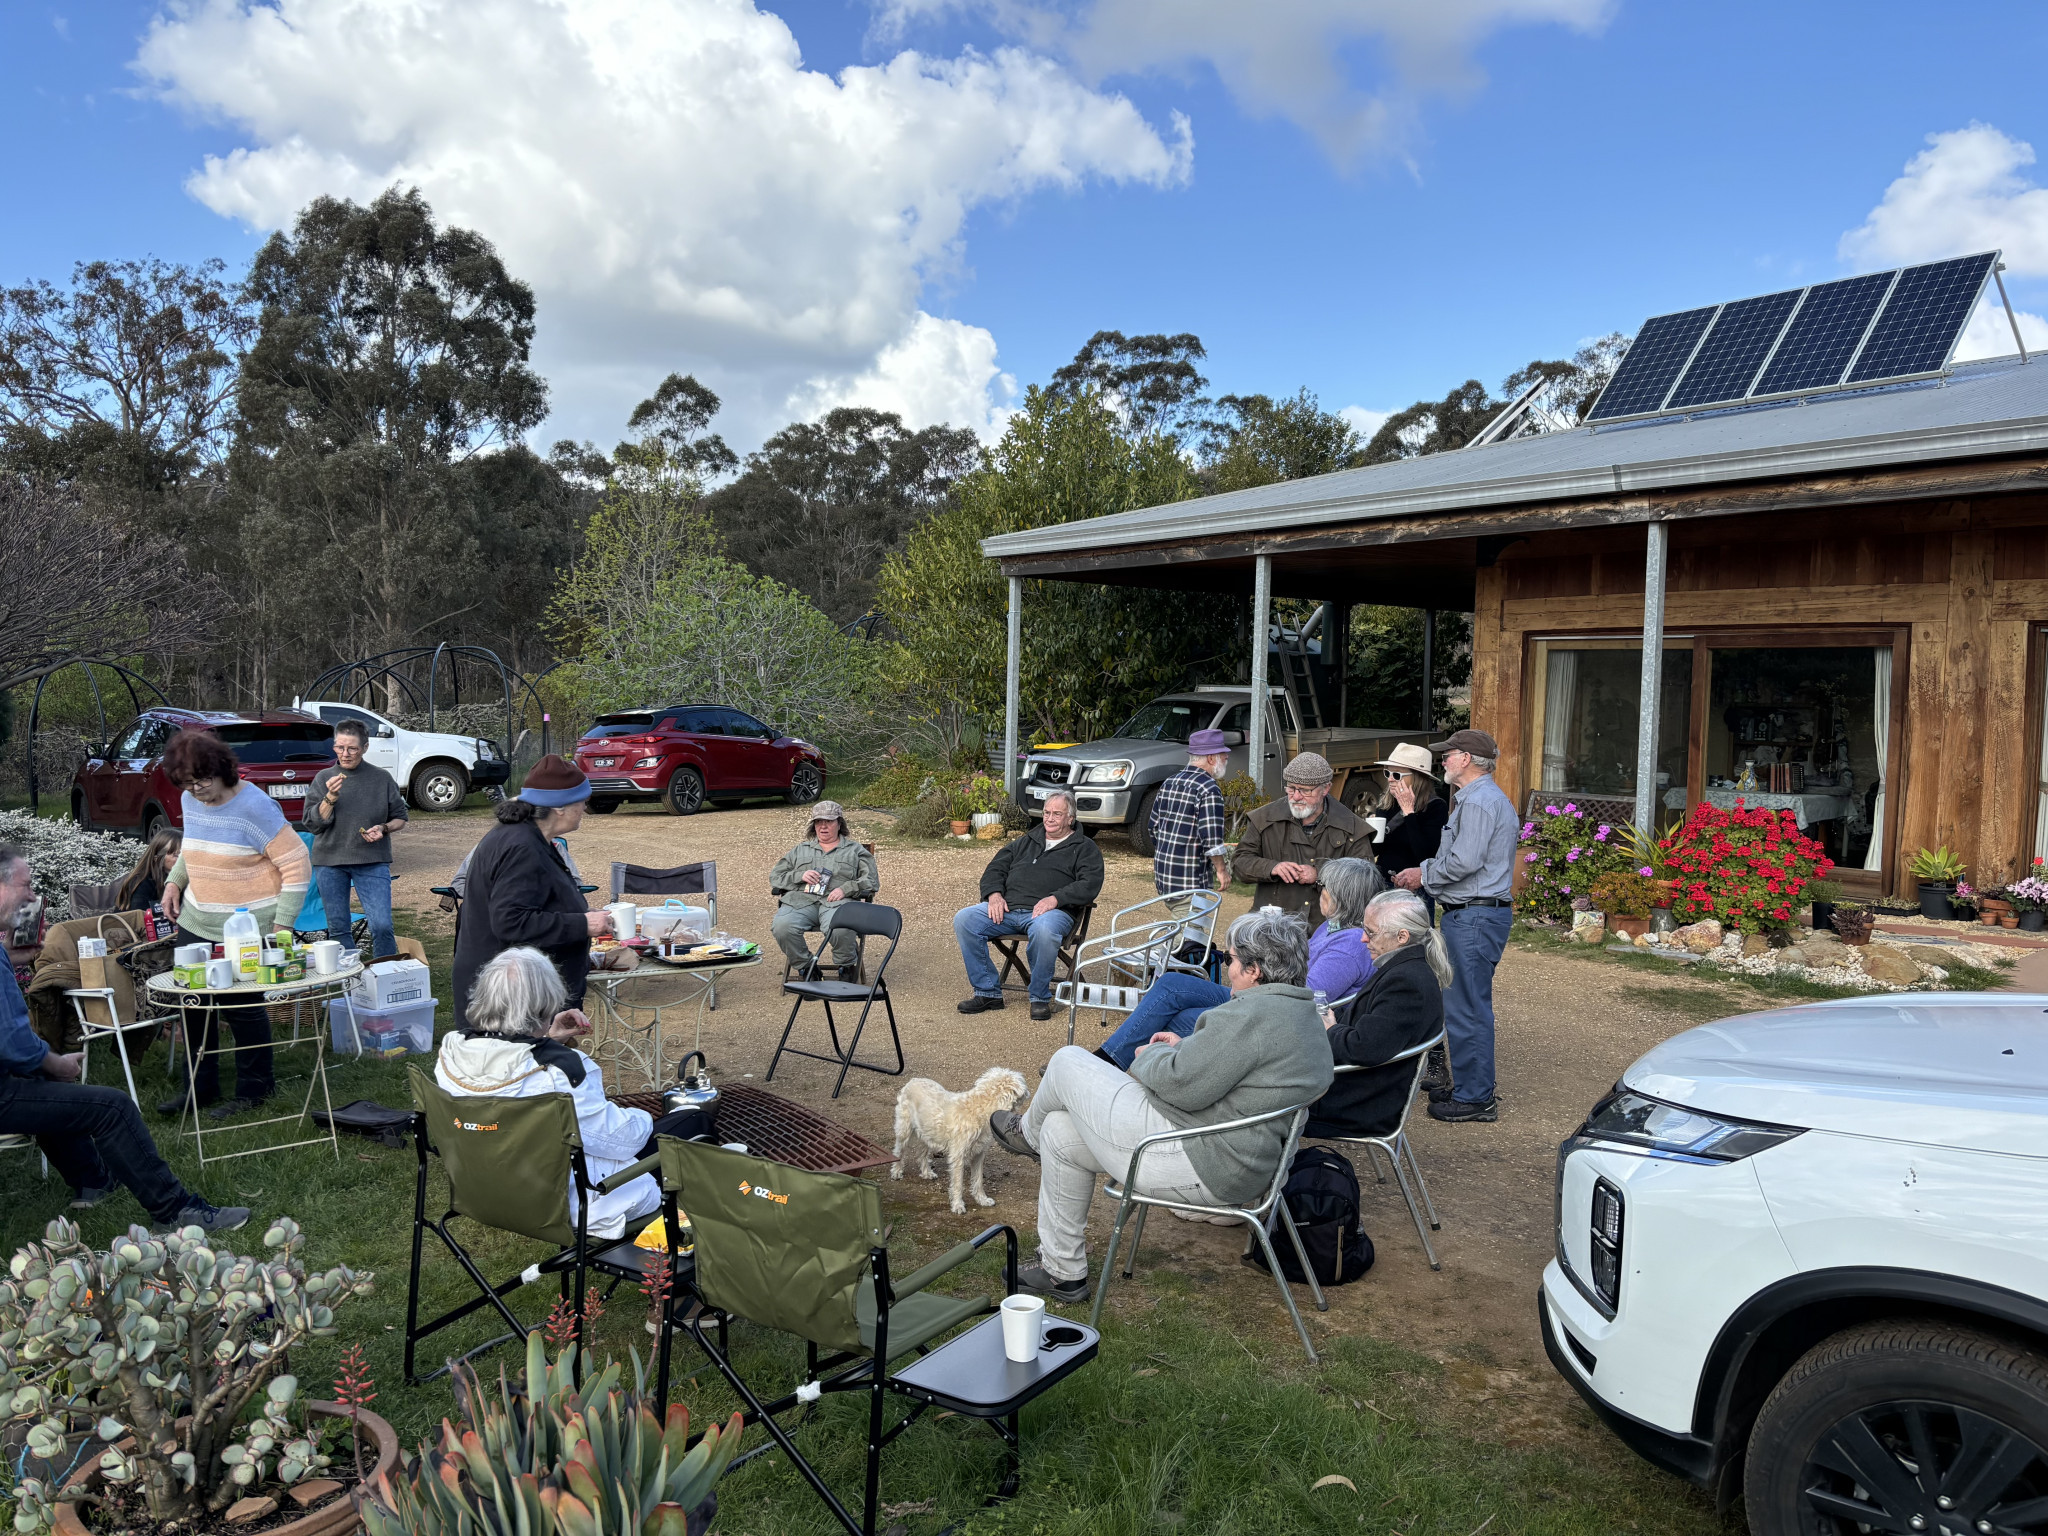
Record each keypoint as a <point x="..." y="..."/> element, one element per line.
<point x="436" y="769"/>
<point x="1802" y="1256"/>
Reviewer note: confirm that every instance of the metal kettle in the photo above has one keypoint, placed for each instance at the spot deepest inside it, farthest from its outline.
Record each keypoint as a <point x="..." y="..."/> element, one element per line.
<point x="691" y="1090"/>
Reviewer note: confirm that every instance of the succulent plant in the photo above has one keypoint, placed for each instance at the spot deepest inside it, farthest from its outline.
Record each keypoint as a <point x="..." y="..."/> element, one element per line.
<point x="541" y="1456"/>
<point x="156" y="1329"/>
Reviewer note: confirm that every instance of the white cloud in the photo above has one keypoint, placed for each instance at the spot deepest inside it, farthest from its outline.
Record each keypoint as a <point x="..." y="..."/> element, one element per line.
<point x="1279" y="58"/>
<point x="681" y="192"/>
<point x="942" y="371"/>
<point x="1989" y="333"/>
<point x="1964" y="192"/>
<point x="1364" y="420"/>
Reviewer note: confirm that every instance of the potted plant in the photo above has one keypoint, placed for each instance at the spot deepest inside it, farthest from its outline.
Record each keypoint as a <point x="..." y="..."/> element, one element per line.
<point x="1746" y="867"/>
<point x="522" y="1458"/>
<point x="159" y="1348"/>
<point x="1563" y="850"/>
<point x="1937" y="871"/>
<point x="1626" y="897"/>
<point x="960" y="808"/>
<point x="2029" y="896"/>
<point x="1853" y="921"/>
<point x="985" y="806"/>
<point x="1825" y="894"/>
<point x="1964" y="904"/>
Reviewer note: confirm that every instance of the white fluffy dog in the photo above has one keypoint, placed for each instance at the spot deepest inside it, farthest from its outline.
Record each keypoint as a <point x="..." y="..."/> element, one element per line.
<point x="955" y="1125"/>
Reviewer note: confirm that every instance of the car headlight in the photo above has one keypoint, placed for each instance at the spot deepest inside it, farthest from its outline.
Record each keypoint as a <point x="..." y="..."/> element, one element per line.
<point x="1671" y="1130"/>
<point x="485" y="752"/>
<point x="1105" y="773"/>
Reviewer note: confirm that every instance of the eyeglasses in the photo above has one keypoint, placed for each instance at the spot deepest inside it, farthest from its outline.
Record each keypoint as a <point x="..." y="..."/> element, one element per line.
<point x="1305" y="791"/>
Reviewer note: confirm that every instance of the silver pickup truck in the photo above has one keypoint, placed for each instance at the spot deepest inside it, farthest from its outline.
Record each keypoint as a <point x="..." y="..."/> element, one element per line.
<point x="1114" y="779"/>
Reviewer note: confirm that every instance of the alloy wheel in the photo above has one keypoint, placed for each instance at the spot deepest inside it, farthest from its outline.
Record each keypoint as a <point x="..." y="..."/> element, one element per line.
<point x="805" y="784"/>
<point x="1918" y="1466"/>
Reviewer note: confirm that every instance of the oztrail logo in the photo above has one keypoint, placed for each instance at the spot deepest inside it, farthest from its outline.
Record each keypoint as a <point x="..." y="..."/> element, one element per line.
<point x="762" y="1192"/>
<point x="474" y="1125"/>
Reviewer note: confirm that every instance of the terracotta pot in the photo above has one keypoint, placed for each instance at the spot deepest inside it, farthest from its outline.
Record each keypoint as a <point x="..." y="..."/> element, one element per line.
<point x="2008" y="919"/>
<point x="335" y="1518"/>
<point x="1993" y="904"/>
<point x="1856" y="936"/>
<point x="960" y="828"/>
<point x="1988" y="919"/>
<point x="1626" y="927"/>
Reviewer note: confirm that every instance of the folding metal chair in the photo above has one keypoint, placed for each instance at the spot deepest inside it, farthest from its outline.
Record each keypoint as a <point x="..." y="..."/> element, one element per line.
<point x="12" y="1142"/>
<point x="1396" y="1145"/>
<point x="509" y="1163"/>
<point x="865" y="918"/>
<point x="805" y="1253"/>
<point x="1112" y="973"/>
<point x="1017" y="958"/>
<point x="1257" y="1217"/>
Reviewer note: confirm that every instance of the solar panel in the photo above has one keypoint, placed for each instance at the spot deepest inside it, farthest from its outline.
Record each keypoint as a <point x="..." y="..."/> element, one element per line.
<point x="1660" y="351"/>
<point x="1728" y="360"/>
<point x="1923" y="319"/>
<point x="1824" y="335"/>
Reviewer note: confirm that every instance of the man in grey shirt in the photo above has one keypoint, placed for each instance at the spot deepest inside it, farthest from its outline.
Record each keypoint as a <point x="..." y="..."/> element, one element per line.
<point x="352" y="810"/>
<point x="1471" y="878"/>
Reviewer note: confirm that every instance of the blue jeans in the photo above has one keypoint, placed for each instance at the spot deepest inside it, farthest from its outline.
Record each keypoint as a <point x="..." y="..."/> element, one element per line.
<point x="973" y="929"/>
<point x="94" y="1137"/>
<point x="1173" y="1002"/>
<point x="1476" y="938"/>
<point x="373" y="886"/>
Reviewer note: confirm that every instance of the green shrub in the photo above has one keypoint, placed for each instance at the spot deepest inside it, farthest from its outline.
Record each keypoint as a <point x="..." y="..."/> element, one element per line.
<point x="1563" y="851"/>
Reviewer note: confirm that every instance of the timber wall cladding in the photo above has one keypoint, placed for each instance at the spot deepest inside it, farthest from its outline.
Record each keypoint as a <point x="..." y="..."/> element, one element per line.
<point x="1967" y="579"/>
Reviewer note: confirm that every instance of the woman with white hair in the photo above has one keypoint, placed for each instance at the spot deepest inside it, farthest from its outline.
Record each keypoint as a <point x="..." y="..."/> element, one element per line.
<point x="1401" y="1006"/>
<point x="515" y="1043"/>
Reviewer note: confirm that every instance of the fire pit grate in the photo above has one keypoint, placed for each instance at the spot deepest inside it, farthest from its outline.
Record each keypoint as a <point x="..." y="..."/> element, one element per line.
<point x="783" y="1132"/>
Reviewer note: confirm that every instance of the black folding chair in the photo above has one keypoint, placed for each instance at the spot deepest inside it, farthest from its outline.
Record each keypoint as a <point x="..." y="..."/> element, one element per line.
<point x="864" y="918"/>
<point x="699" y="879"/>
<point x="1013" y="947"/>
<point x="509" y="1164"/>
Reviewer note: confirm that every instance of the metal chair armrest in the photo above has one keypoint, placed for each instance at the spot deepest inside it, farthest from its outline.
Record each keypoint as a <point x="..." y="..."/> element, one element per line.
<point x="951" y="1259"/>
<point x="1410" y="1054"/>
<point x="1194" y="1132"/>
<point x="625" y="1176"/>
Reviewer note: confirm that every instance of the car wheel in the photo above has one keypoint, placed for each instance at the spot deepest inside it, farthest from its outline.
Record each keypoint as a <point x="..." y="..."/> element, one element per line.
<point x="155" y="819"/>
<point x="602" y="807"/>
<point x="806" y="783"/>
<point x="81" y="812"/>
<point x="685" y="793"/>
<point x="1902" y="1425"/>
<point x="1139" y="829"/>
<point x="439" y="786"/>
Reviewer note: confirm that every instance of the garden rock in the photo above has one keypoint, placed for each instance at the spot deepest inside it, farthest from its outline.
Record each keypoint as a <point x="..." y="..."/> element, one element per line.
<point x="1883" y="963"/>
<point x="1755" y="944"/>
<point x="1794" y="958"/>
<point x="1929" y="954"/>
<point x="1699" y="937"/>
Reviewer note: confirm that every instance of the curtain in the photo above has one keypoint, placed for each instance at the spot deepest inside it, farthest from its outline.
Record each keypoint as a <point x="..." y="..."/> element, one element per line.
<point x="2041" y="812"/>
<point x="1560" y="689"/>
<point x="1881" y="725"/>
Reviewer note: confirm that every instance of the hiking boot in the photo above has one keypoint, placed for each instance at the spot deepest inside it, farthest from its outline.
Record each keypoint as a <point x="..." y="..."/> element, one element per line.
<point x="1041" y="1010"/>
<point x="176" y="1106"/>
<point x="203" y="1213"/>
<point x="1033" y="1278"/>
<point x="1459" y="1111"/>
<point x="1436" y="1075"/>
<point x="849" y="973"/>
<point x="980" y="1004"/>
<point x="1007" y="1126"/>
<point x="1441" y="1094"/>
<point x="86" y="1199"/>
<point x="234" y="1106"/>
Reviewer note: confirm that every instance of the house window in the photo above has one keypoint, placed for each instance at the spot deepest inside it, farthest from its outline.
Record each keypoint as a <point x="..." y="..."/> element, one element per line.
<point x="1587" y="710"/>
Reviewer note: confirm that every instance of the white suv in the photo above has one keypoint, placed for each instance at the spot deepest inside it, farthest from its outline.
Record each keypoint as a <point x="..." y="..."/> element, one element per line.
<point x="436" y="770"/>
<point x="1802" y="1256"/>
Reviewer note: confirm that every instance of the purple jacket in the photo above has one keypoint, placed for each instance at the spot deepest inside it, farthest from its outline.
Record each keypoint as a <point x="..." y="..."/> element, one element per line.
<point x="1339" y="964"/>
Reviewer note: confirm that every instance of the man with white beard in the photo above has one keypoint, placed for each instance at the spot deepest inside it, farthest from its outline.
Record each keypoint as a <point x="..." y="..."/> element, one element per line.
<point x="1289" y="840"/>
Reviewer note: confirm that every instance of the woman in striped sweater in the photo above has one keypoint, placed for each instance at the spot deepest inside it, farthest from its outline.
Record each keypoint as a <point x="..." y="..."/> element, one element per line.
<point x="238" y="852"/>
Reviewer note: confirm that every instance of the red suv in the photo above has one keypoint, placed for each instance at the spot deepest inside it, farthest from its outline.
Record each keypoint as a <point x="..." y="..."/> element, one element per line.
<point x="685" y="754"/>
<point x="122" y="786"/>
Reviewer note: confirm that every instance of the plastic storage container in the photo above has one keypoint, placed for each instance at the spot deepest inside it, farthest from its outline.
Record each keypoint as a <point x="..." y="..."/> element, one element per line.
<point x="405" y="1028"/>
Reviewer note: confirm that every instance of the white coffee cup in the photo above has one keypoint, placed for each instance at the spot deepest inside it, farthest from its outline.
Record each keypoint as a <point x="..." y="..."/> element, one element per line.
<point x="625" y="918"/>
<point x="1379" y="827"/>
<point x="220" y="973"/>
<point x="1023" y="1327"/>
<point x="326" y="956"/>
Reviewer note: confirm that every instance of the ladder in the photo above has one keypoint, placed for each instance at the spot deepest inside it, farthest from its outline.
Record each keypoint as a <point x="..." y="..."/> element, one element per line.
<point x="1295" y="671"/>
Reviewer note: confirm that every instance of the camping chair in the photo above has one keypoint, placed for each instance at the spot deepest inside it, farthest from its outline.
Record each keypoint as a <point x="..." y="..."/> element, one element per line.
<point x="1396" y="1145"/>
<point x="509" y="1164"/>
<point x="700" y="879"/>
<point x="804" y="1253"/>
<point x="1258" y="1217"/>
<point x="864" y="918"/>
<point x="1017" y="959"/>
<point x="99" y="1018"/>
<point x="1114" y="977"/>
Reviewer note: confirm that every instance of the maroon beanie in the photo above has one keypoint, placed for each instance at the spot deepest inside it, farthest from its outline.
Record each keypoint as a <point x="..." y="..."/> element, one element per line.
<point x="555" y="781"/>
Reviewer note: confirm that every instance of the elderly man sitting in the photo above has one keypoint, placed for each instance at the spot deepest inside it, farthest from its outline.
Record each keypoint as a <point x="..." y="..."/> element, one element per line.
<point x="514" y="1044"/>
<point x="1261" y="1051"/>
<point x="1037" y="885"/>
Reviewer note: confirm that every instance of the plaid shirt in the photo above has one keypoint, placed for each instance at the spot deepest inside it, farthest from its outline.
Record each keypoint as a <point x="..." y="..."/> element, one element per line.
<point x="1187" y="821"/>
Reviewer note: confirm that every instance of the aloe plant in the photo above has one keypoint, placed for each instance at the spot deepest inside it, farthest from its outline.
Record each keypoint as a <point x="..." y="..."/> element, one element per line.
<point x="129" y="1341"/>
<point x="1937" y="866"/>
<point x="542" y="1456"/>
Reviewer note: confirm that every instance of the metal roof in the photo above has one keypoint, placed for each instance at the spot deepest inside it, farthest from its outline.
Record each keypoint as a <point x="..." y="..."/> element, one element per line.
<point x="1979" y="410"/>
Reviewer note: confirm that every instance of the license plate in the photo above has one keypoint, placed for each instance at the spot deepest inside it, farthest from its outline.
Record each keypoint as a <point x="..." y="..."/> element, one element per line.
<point x="604" y="762"/>
<point x="1040" y="794"/>
<point x="287" y="791"/>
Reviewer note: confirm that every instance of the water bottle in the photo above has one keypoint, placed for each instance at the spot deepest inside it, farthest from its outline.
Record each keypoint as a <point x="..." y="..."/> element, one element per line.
<point x="242" y="943"/>
<point x="1322" y="1002"/>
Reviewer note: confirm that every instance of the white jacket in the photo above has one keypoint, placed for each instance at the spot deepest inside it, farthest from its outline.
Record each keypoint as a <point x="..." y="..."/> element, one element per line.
<point x="612" y="1135"/>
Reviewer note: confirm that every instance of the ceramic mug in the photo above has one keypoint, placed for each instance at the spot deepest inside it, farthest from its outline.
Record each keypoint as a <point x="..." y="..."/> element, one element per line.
<point x="625" y="918"/>
<point x="326" y="956"/>
<point x="220" y="973"/>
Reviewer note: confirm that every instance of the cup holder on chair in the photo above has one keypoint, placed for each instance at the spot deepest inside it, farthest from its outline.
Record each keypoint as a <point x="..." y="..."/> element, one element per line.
<point x="1060" y="1338"/>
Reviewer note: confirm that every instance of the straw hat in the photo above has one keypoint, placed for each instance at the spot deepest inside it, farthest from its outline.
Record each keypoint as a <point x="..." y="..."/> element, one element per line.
<point x="1414" y="758"/>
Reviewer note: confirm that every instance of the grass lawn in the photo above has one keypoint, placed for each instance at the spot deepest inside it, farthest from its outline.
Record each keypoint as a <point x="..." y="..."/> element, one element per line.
<point x="1200" y="1414"/>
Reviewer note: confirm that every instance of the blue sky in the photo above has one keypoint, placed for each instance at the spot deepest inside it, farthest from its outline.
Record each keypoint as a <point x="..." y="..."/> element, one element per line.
<point x="1542" y="181"/>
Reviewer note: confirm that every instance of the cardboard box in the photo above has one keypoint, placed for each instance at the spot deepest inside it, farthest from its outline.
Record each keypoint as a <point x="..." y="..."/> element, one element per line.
<point x="389" y="983"/>
<point x="405" y="1029"/>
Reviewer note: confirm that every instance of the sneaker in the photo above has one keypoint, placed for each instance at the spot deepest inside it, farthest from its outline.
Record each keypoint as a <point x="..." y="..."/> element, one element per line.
<point x="1033" y="1278"/>
<point x="1041" y="1010"/>
<point x="1441" y="1093"/>
<point x="1007" y="1126"/>
<point x="202" y="1213"/>
<point x="235" y="1106"/>
<point x="1458" y="1111"/>
<point x="86" y="1199"/>
<point x="980" y="1004"/>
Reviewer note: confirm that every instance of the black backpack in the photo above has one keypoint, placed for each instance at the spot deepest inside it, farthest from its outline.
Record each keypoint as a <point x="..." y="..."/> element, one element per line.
<point x="1322" y="1196"/>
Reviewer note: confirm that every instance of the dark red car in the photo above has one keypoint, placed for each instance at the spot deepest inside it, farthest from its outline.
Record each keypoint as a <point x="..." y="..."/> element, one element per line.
<point x="122" y="787"/>
<point x="685" y="754"/>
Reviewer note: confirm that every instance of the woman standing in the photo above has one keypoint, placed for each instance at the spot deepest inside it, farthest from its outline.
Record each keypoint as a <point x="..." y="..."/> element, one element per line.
<point x="238" y="852"/>
<point x="1416" y="812"/>
<point x="519" y="892"/>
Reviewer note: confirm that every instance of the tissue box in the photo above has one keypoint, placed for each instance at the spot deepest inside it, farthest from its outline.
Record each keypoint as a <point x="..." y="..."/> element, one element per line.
<point x="391" y="982"/>
<point x="397" y="1031"/>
